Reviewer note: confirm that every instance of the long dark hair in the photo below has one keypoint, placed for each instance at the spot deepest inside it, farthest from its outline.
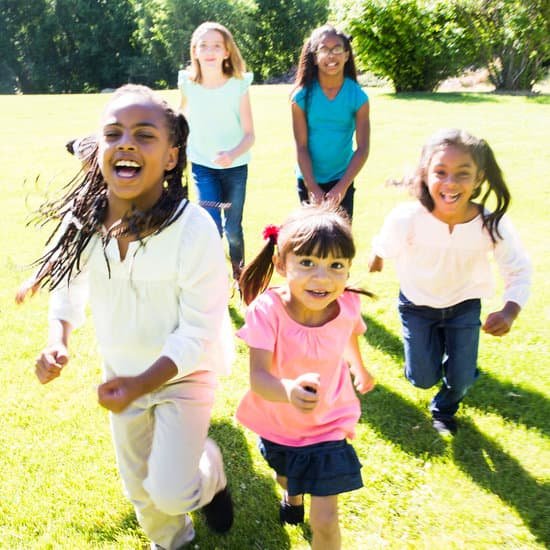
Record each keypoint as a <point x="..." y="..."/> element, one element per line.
<point x="80" y="212"/>
<point x="311" y="230"/>
<point x="488" y="170"/>
<point x="308" y="71"/>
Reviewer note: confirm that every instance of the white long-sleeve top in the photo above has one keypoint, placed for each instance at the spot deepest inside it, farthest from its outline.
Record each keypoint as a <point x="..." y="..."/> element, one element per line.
<point x="439" y="268"/>
<point x="168" y="297"/>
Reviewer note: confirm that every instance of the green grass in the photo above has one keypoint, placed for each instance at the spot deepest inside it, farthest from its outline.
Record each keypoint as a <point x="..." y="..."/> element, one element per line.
<point x="487" y="488"/>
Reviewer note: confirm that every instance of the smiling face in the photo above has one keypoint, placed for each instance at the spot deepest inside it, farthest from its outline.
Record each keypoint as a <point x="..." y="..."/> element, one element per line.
<point x="451" y="179"/>
<point x="314" y="283"/>
<point x="210" y="50"/>
<point x="134" y="152"/>
<point x="331" y="55"/>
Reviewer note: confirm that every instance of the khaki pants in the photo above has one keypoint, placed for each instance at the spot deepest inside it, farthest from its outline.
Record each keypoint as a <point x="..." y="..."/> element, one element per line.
<point x="167" y="464"/>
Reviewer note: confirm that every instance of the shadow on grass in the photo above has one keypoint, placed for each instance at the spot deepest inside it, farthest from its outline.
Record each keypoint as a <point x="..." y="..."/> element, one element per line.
<point x="511" y="402"/>
<point x="448" y="97"/>
<point x="492" y="468"/>
<point x="400" y="422"/>
<point x="379" y="337"/>
<point x="255" y="498"/>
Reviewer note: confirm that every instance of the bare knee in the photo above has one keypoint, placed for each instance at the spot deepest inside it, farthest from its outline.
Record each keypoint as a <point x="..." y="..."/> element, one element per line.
<point x="324" y="521"/>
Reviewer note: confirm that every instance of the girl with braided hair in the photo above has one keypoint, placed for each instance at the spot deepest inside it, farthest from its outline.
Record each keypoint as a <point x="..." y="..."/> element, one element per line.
<point x="129" y="238"/>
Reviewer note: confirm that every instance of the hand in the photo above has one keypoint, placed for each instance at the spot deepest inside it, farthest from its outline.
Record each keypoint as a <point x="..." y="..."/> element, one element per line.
<point x="316" y="196"/>
<point x="363" y="380"/>
<point x="303" y="392"/>
<point x="334" y="196"/>
<point x="376" y="263"/>
<point x="116" y="394"/>
<point x="223" y="159"/>
<point x="27" y="288"/>
<point x="50" y="362"/>
<point x="500" y="322"/>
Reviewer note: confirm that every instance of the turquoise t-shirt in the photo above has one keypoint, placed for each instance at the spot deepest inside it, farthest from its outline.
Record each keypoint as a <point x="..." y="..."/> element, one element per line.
<point x="330" y="127"/>
<point x="214" y="118"/>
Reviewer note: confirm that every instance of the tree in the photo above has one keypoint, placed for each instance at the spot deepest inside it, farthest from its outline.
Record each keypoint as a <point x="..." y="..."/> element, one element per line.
<point x="415" y="44"/>
<point x="512" y="38"/>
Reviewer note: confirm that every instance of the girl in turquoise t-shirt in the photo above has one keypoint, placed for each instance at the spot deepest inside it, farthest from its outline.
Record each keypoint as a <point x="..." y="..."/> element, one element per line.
<point x="328" y="108"/>
<point x="214" y="94"/>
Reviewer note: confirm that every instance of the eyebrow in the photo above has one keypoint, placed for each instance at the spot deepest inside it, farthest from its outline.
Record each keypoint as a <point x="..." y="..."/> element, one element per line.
<point x="137" y="125"/>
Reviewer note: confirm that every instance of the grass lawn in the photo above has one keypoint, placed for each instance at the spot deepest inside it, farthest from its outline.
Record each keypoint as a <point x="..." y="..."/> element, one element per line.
<point x="486" y="488"/>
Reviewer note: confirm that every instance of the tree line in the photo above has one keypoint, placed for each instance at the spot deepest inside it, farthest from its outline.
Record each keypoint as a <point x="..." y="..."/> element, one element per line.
<point x="61" y="46"/>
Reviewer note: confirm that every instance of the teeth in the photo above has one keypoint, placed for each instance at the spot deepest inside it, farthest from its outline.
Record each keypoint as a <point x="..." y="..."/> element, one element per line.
<point x="127" y="163"/>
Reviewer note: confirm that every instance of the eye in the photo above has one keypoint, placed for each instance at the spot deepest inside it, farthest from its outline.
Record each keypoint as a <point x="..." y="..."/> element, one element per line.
<point x="306" y="262"/>
<point x="337" y="265"/>
<point x="111" y="133"/>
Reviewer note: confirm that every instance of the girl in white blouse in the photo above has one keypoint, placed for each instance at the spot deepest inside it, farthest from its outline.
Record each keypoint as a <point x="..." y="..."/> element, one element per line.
<point x="131" y="243"/>
<point x="441" y="245"/>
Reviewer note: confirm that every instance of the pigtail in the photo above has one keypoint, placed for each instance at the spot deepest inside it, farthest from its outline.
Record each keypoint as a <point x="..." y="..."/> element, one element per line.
<point x="257" y="274"/>
<point x="492" y="174"/>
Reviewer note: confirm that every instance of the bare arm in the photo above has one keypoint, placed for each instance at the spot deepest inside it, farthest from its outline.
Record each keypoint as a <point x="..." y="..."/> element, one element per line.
<point x="226" y="158"/>
<point x="363" y="380"/>
<point x="283" y="390"/>
<point x="376" y="263"/>
<point x="299" y="126"/>
<point x="362" y="136"/>
<point x="116" y="394"/>
<point x="55" y="355"/>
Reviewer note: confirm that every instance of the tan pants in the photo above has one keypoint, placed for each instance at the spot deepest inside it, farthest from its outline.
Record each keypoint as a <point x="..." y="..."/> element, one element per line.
<point x="167" y="464"/>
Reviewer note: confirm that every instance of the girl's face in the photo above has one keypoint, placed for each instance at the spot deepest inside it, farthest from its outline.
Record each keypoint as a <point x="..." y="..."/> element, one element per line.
<point x="314" y="283"/>
<point x="210" y="50"/>
<point x="135" y="151"/>
<point x="331" y="55"/>
<point x="451" y="178"/>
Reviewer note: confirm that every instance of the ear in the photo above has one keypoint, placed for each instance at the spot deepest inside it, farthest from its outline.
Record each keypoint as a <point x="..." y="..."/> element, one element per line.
<point x="172" y="159"/>
<point x="279" y="264"/>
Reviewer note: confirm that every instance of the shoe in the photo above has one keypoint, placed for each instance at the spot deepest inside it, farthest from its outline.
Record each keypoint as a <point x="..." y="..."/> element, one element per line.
<point x="445" y="426"/>
<point x="293" y="514"/>
<point x="219" y="512"/>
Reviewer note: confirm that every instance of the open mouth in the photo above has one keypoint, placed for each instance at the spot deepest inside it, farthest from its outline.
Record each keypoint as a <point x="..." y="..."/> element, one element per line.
<point x="127" y="168"/>
<point x="318" y="293"/>
<point x="449" y="198"/>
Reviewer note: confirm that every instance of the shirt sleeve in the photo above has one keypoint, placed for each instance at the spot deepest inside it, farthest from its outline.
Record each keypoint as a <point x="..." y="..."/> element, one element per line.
<point x="361" y="97"/>
<point x="513" y="263"/>
<point x="299" y="97"/>
<point x="259" y="330"/>
<point x="182" y="81"/>
<point x="352" y="302"/>
<point x="204" y="294"/>
<point x="394" y="233"/>
<point x="68" y="300"/>
<point x="246" y="82"/>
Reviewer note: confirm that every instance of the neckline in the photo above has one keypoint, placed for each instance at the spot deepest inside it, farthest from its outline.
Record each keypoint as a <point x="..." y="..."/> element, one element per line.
<point x="279" y="300"/>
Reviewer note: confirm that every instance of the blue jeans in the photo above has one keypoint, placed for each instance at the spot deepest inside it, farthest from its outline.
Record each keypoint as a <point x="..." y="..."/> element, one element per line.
<point x="347" y="201"/>
<point x="441" y="344"/>
<point x="224" y="185"/>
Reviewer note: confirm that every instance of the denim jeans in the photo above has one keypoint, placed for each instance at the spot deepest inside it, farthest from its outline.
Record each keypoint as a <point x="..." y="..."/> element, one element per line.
<point x="441" y="344"/>
<point x="224" y="185"/>
<point x="347" y="201"/>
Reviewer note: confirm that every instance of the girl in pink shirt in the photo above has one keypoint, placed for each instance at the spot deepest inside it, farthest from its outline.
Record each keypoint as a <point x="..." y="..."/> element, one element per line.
<point x="303" y="340"/>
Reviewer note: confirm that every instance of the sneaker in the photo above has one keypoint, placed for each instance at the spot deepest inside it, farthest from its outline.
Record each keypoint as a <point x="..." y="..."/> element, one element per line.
<point x="293" y="514"/>
<point x="445" y="426"/>
<point x="219" y="512"/>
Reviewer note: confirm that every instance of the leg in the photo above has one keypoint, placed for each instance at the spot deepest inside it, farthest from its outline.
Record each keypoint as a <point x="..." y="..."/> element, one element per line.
<point x="423" y="343"/>
<point x="323" y="519"/>
<point x="168" y="465"/>
<point x="291" y="509"/>
<point x="460" y="369"/>
<point x="234" y="192"/>
<point x="209" y="190"/>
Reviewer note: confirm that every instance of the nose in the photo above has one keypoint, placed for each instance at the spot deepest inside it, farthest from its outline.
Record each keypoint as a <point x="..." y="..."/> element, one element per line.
<point x="320" y="272"/>
<point x="125" y="142"/>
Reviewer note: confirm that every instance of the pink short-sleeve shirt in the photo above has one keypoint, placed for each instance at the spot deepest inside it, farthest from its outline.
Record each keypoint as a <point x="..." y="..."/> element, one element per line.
<point x="298" y="349"/>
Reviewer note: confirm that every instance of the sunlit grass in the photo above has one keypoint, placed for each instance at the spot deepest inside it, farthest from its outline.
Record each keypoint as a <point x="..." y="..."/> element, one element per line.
<point x="487" y="488"/>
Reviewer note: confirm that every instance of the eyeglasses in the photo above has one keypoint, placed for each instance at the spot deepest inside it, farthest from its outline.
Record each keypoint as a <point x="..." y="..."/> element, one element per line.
<point x="335" y="50"/>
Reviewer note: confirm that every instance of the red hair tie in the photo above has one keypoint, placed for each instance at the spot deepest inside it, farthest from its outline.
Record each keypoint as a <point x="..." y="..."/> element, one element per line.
<point x="271" y="232"/>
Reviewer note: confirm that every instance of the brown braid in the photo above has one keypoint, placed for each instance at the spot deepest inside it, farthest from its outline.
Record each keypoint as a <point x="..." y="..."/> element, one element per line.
<point x="80" y="212"/>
